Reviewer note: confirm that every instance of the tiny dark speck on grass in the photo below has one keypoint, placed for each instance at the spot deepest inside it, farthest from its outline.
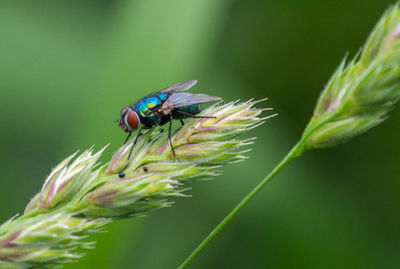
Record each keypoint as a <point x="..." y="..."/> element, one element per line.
<point x="145" y="169"/>
<point x="121" y="175"/>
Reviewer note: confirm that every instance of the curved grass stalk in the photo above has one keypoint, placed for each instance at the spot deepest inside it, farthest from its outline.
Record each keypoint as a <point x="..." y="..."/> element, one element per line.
<point x="357" y="98"/>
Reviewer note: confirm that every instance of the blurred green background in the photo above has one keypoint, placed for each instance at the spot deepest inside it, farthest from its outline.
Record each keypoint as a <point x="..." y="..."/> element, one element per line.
<point x="68" y="67"/>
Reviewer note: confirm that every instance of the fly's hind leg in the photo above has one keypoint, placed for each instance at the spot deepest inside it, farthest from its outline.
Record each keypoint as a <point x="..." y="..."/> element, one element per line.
<point x="194" y="116"/>
<point x="182" y="122"/>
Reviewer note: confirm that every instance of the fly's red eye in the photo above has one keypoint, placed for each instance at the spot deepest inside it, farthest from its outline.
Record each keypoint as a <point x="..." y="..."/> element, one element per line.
<point x="133" y="120"/>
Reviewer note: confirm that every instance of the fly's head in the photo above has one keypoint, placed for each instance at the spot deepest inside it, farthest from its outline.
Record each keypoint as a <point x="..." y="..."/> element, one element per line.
<point x="130" y="120"/>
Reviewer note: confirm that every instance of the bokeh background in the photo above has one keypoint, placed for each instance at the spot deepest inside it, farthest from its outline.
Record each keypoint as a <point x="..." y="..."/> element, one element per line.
<point x="68" y="67"/>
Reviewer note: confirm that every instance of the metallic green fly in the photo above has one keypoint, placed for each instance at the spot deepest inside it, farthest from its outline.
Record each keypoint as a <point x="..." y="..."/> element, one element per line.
<point x="162" y="107"/>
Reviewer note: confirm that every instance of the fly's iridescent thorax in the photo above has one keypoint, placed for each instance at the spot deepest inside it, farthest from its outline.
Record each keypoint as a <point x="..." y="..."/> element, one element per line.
<point x="162" y="96"/>
<point x="147" y="107"/>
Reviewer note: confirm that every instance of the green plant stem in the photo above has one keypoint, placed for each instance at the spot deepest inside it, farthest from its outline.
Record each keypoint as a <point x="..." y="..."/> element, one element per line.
<point x="296" y="151"/>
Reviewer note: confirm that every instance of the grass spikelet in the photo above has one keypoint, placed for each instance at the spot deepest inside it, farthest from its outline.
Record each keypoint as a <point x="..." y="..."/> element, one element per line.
<point x="78" y="197"/>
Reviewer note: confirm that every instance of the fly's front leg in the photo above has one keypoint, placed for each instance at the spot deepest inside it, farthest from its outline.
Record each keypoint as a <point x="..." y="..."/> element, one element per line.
<point x="134" y="143"/>
<point x="126" y="140"/>
<point x="121" y="174"/>
<point x="169" y="135"/>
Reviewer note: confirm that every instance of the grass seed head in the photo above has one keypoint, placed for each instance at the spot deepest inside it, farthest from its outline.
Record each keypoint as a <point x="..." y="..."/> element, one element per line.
<point x="361" y="91"/>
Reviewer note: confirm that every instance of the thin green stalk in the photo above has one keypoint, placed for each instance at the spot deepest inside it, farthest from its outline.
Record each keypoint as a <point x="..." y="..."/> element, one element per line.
<point x="357" y="98"/>
<point x="296" y="151"/>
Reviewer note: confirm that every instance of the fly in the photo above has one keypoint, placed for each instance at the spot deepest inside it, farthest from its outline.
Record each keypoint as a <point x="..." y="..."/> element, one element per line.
<point x="162" y="107"/>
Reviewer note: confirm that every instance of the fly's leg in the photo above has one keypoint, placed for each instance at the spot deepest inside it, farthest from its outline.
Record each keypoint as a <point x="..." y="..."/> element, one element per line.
<point x="126" y="140"/>
<point x="134" y="143"/>
<point x="169" y="135"/>
<point x="121" y="174"/>
<point x="182" y="122"/>
<point x="194" y="116"/>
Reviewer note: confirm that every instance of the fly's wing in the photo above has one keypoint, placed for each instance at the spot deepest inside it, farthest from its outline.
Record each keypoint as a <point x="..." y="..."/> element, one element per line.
<point x="180" y="87"/>
<point x="184" y="99"/>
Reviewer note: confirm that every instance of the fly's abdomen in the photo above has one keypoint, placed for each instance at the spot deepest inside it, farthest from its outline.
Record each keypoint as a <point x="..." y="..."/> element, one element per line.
<point x="190" y="109"/>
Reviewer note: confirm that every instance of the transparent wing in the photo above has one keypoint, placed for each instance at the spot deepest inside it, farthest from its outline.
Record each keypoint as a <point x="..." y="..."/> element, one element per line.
<point x="179" y="87"/>
<point x="184" y="99"/>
